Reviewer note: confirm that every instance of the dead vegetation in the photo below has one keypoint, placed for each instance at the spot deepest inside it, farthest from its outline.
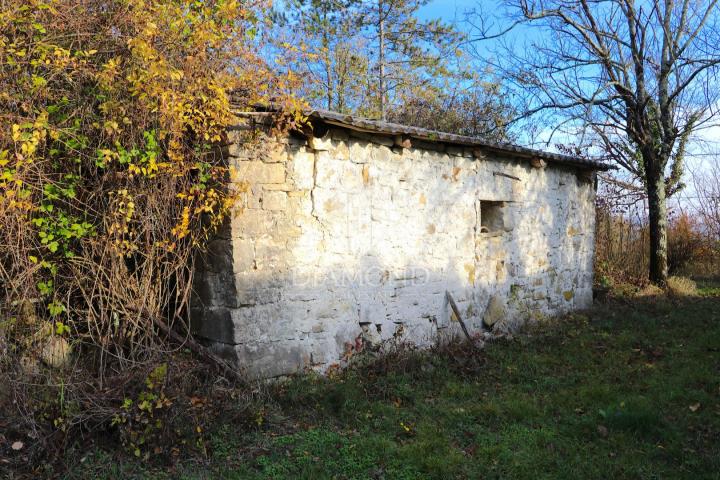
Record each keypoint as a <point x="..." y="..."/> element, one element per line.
<point x="681" y="287"/>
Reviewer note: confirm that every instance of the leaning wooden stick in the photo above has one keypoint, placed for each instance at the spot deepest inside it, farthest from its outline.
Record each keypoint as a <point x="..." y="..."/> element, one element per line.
<point x="456" y="312"/>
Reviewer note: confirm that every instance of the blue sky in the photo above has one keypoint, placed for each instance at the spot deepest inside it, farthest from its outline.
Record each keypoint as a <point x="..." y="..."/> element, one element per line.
<point x="447" y="9"/>
<point x="452" y="11"/>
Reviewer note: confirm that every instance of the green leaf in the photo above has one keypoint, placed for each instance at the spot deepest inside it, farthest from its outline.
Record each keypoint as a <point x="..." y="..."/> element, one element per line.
<point x="61" y="328"/>
<point x="38" y="82"/>
<point x="55" y="308"/>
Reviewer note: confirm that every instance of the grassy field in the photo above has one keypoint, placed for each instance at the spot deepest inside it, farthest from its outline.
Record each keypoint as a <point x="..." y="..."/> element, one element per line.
<point x="628" y="390"/>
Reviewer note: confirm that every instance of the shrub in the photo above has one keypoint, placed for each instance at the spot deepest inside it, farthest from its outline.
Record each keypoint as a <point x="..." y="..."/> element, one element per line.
<point x="681" y="287"/>
<point x="113" y="173"/>
<point x="650" y="290"/>
<point x="112" y="169"/>
<point x="621" y="250"/>
<point x="622" y="246"/>
<point x="688" y="244"/>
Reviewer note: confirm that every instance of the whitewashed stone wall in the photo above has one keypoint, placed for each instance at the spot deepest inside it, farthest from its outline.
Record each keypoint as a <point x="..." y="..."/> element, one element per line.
<point x="356" y="241"/>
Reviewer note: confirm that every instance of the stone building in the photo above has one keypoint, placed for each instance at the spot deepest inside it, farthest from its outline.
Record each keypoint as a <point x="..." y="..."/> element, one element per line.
<point x="355" y="232"/>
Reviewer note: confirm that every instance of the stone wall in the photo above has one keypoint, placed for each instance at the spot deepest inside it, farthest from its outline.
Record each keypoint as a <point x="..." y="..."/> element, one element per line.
<point x="355" y="241"/>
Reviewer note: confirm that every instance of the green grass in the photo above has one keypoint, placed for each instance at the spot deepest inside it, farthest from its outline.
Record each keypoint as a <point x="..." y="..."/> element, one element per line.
<point x="631" y="390"/>
<point x="708" y="287"/>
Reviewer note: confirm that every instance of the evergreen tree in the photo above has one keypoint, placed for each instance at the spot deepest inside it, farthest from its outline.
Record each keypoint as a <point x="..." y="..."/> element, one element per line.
<point x="361" y="56"/>
<point x="333" y="57"/>
<point x="407" y="52"/>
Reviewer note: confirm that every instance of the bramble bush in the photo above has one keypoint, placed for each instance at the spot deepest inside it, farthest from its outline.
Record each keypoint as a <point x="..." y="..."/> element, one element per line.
<point x="113" y="116"/>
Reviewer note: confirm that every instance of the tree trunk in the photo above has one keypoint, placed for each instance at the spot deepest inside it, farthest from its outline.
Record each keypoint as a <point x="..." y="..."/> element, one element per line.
<point x="328" y="68"/>
<point x="381" y="59"/>
<point x="657" y="208"/>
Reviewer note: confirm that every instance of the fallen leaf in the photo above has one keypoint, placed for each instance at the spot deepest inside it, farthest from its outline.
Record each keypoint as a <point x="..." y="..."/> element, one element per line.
<point x="17" y="446"/>
<point x="694" y="408"/>
<point x="602" y="431"/>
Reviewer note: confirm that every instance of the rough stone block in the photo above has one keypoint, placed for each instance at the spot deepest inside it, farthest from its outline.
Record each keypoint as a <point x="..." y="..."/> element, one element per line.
<point x="56" y="352"/>
<point x="381" y="154"/>
<point x="271" y="254"/>
<point x="252" y="223"/>
<point x="260" y="172"/>
<point x="273" y="359"/>
<point x="214" y="289"/>
<point x="374" y="139"/>
<point x="495" y="311"/>
<point x="323" y="351"/>
<point x="275" y="153"/>
<point x="275" y="201"/>
<point x="329" y="205"/>
<point x="214" y="324"/>
<point x="340" y="150"/>
<point x="359" y="151"/>
<point x="320" y="144"/>
<point x="328" y="170"/>
<point x="218" y="256"/>
<point x="302" y="170"/>
<point x="243" y="251"/>
<point x="354" y="177"/>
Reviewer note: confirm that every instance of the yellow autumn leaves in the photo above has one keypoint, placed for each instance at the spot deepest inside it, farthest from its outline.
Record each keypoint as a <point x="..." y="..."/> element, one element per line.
<point x="113" y="116"/>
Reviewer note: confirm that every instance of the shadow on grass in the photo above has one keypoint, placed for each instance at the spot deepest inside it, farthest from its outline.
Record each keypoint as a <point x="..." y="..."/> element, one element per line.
<point x="629" y="389"/>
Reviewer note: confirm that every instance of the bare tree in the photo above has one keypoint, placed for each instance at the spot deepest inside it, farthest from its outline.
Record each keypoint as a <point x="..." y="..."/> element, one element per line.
<point x="637" y="78"/>
<point x="706" y="201"/>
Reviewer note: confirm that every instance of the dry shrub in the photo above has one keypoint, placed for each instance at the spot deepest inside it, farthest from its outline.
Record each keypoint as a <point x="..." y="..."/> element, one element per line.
<point x="157" y="411"/>
<point x="621" y="249"/>
<point x="113" y="174"/>
<point x="622" y="246"/>
<point x="650" y="290"/>
<point x="112" y="166"/>
<point x="688" y="245"/>
<point x="681" y="287"/>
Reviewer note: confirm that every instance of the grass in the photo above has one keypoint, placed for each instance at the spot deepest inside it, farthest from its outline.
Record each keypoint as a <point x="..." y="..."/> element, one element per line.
<point x="629" y="390"/>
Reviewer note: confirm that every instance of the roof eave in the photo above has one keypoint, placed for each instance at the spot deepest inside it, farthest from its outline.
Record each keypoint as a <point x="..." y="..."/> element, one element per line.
<point x="378" y="127"/>
<point x="387" y="128"/>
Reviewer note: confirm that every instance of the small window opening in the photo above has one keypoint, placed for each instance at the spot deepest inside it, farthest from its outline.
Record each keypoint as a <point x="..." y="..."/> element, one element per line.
<point x="491" y="217"/>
